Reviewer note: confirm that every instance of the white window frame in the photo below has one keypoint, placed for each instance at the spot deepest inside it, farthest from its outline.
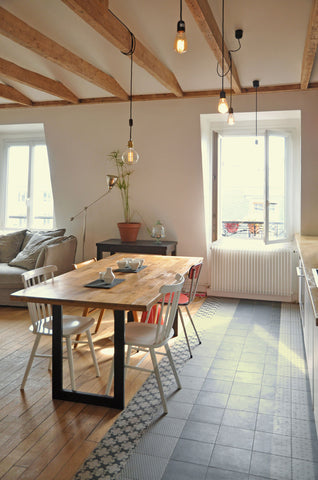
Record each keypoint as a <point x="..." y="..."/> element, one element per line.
<point x="287" y="188"/>
<point x="8" y="140"/>
<point x="289" y="134"/>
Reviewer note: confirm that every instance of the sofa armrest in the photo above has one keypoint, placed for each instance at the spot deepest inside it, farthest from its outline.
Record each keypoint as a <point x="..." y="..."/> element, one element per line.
<point x="62" y="255"/>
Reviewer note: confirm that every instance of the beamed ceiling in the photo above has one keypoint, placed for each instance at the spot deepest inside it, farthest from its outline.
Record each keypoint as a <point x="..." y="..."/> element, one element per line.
<point x="60" y="52"/>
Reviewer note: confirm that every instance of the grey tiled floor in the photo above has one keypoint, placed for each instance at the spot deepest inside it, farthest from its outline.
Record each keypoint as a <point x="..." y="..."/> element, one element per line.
<point x="244" y="412"/>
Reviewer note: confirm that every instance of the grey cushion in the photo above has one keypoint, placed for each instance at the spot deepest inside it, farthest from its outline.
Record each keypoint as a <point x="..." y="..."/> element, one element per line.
<point x="50" y="233"/>
<point x="27" y="258"/>
<point x="10" y="277"/>
<point x="10" y="245"/>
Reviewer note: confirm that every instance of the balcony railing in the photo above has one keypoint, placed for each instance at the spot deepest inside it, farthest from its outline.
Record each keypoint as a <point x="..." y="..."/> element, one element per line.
<point x="251" y="229"/>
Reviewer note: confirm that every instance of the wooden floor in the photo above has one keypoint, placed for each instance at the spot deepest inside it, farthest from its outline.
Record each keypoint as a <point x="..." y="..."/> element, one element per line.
<point x="41" y="438"/>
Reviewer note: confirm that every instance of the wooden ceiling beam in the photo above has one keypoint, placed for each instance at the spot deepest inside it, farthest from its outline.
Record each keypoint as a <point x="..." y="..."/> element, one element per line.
<point x="292" y="87"/>
<point x="310" y="46"/>
<point x="114" y="31"/>
<point x="22" y="33"/>
<point x="13" y="94"/>
<point x="202" y="14"/>
<point x="35" y="80"/>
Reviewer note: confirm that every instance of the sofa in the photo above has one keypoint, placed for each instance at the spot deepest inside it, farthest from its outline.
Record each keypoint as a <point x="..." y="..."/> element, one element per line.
<point x="25" y="250"/>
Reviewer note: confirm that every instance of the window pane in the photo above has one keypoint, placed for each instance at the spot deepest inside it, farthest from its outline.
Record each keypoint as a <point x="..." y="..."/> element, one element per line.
<point x="276" y="188"/>
<point x="241" y="187"/>
<point x="17" y="186"/>
<point x="42" y="205"/>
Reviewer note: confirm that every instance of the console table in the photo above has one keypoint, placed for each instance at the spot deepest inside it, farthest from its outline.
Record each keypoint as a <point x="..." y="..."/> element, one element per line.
<point x="115" y="245"/>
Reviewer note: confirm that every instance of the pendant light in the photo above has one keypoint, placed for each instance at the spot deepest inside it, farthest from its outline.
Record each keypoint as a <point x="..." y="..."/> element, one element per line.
<point x="238" y="36"/>
<point x="130" y="156"/>
<point x="223" y="106"/>
<point x="256" y="85"/>
<point x="230" y="118"/>
<point x="181" y="43"/>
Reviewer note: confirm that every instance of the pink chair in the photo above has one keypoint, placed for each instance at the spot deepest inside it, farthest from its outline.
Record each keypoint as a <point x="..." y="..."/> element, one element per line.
<point x="186" y="299"/>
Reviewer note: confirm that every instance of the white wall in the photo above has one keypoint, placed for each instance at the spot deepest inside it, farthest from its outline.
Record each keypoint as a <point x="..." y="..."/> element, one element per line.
<point x="167" y="182"/>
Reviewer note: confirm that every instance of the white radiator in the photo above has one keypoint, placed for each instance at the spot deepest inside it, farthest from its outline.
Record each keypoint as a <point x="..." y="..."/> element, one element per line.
<point x="265" y="272"/>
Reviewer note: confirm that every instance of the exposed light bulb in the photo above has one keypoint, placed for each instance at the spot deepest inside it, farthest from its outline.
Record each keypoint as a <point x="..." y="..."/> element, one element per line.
<point x="223" y="106"/>
<point x="130" y="156"/>
<point x="181" y="43"/>
<point x="230" y="118"/>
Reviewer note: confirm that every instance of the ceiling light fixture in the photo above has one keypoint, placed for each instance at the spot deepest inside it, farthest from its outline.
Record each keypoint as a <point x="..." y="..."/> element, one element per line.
<point x="256" y="85"/>
<point x="130" y="156"/>
<point x="238" y="36"/>
<point x="223" y="105"/>
<point x="181" y="43"/>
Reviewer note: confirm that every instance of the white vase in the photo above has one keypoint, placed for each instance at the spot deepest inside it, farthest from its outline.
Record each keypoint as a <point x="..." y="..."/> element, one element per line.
<point x="109" y="275"/>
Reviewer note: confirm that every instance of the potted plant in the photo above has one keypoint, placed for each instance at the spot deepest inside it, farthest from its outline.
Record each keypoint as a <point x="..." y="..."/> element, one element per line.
<point x="128" y="229"/>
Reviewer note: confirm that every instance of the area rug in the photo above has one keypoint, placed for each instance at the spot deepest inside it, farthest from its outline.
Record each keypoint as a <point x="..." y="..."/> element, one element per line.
<point x="110" y="456"/>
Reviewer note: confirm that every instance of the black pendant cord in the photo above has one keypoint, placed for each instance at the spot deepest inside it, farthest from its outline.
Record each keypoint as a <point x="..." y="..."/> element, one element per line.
<point x="256" y="85"/>
<point x="130" y="96"/>
<point x="230" y="80"/>
<point x="130" y="52"/>
<point x="222" y="45"/>
<point x="256" y="114"/>
<point x="238" y="36"/>
<point x="180" y="10"/>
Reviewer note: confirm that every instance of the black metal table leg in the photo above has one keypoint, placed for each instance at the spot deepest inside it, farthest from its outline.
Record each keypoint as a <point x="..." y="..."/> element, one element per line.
<point x="58" y="392"/>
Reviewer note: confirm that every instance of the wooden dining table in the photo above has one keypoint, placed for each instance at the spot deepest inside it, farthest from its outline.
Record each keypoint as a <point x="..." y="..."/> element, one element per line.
<point x="137" y="292"/>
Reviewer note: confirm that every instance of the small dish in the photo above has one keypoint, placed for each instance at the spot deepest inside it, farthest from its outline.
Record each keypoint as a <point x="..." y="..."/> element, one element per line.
<point x="122" y="263"/>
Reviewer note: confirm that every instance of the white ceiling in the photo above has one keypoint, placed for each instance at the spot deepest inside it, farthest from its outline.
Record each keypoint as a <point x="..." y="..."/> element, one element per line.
<point x="272" y="45"/>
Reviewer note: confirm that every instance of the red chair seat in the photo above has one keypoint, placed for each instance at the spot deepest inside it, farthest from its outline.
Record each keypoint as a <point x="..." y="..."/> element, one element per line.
<point x="183" y="300"/>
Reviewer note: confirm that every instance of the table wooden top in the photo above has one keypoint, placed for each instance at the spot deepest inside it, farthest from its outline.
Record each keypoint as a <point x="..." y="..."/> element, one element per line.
<point x="139" y="291"/>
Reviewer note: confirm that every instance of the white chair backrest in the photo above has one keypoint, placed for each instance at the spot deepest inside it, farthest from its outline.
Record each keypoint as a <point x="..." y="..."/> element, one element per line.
<point x="38" y="311"/>
<point x="168" y="308"/>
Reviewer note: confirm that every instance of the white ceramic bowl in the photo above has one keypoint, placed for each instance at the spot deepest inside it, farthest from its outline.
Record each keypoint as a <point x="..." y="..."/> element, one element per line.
<point x="134" y="264"/>
<point x="122" y="263"/>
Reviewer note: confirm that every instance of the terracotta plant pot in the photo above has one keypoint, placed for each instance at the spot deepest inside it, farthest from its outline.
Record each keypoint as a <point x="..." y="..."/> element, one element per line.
<point x="128" y="231"/>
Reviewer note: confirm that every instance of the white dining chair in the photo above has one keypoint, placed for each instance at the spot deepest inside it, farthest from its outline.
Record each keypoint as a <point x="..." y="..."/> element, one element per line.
<point x="149" y="337"/>
<point x="42" y="324"/>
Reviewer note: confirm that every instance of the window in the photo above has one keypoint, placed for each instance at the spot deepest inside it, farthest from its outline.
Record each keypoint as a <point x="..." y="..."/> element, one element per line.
<point x="28" y="193"/>
<point x="253" y="187"/>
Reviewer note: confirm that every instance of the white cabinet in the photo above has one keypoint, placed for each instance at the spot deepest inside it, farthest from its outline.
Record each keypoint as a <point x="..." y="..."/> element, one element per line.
<point x="309" y="330"/>
<point x="301" y="288"/>
<point x="315" y="375"/>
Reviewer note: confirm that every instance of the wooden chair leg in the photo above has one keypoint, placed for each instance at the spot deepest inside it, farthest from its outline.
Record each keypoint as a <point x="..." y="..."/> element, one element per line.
<point x="135" y="316"/>
<point x="185" y="331"/>
<point x="99" y="321"/>
<point x="189" y="314"/>
<point x="91" y="346"/>
<point x="70" y="361"/>
<point x="31" y="358"/>
<point x="157" y="373"/>
<point x="77" y="338"/>
<point x="110" y="378"/>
